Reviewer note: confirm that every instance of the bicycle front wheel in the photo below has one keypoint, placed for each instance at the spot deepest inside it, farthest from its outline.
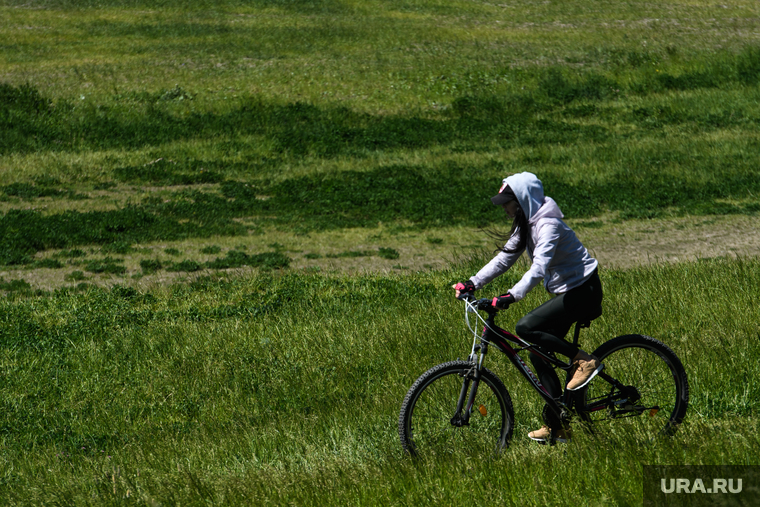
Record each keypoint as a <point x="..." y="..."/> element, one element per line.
<point x="429" y="424"/>
<point x="643" y="386"/>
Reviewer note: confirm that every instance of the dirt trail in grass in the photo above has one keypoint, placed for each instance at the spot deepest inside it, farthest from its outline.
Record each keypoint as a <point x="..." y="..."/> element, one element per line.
<point x="623" y="244"/>
<point x="617" y="244"/>
<point x="674" y="240"/>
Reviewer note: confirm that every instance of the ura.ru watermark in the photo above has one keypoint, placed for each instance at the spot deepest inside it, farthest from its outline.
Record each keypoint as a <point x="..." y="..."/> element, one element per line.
<point x="715" y="486"/>
<point x="696" y="486"/>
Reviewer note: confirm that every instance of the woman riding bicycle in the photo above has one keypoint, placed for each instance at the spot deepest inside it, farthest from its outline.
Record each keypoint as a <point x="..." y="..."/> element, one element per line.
<point x="568" y="272"/>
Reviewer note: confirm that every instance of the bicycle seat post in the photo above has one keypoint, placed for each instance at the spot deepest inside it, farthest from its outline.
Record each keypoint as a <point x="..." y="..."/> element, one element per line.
<point x="585" y="322"/>
<point x="577" y="333"/>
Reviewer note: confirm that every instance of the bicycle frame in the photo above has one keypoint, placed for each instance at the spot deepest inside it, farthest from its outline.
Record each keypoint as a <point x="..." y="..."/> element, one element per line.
<point x="501" y="338"/>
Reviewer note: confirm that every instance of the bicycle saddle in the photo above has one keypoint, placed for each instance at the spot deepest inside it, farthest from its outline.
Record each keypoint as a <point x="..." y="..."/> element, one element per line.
<point x="593" y="314"/>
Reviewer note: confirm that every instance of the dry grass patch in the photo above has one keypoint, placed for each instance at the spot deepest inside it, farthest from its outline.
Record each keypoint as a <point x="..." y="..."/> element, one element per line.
<point x="617" y="244"/>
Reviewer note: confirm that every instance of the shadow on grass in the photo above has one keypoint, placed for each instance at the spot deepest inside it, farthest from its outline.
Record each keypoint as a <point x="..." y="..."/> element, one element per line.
<point x="443" y="196"/>
<point x="447" y="195"/>
<point x="302" y="6"/>
<point x="31" y="122"/>
<point x="25" y="232"/>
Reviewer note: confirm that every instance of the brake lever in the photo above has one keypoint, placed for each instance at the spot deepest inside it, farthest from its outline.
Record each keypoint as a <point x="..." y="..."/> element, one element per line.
<point x="486" y="305"/>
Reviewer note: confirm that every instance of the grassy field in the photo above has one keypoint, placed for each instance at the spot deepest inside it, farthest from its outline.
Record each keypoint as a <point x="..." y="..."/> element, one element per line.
<point x="220" y="126"/>
<point x="285" y="390"/>
<point x="205" y="209"/>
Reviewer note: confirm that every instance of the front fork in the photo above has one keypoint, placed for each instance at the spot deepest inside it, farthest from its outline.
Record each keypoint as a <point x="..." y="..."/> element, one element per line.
<point x="470" y="383"/>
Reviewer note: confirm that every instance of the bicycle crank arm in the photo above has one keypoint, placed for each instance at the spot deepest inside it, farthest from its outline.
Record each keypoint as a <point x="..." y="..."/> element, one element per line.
<point x="634" y="410"/>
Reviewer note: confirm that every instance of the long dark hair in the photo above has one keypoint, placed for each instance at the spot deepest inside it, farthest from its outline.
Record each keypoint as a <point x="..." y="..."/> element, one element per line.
<point x="519" y="226"/>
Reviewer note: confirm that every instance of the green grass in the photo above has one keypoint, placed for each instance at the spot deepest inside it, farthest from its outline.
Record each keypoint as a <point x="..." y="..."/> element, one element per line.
<point x="229" y="390"/>
<point x="630" y="116"/>
<point x="129" y="127"/>
<point x="680" y="141"/>
<point x="649" y="173"/>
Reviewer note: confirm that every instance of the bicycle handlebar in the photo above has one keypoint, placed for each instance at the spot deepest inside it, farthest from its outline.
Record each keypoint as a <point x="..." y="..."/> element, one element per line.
<point x="485" y="304"/>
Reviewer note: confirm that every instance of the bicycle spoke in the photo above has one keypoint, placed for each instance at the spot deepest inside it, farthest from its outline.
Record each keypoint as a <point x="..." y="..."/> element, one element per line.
<point x="646" y="368"/>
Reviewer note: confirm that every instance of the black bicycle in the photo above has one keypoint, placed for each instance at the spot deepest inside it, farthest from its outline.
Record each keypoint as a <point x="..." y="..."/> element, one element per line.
<point x="463" y="405"/>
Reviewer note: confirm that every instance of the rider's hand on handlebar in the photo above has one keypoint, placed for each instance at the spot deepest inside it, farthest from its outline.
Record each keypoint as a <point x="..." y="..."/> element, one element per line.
<point x="502" y="302"/>
<point x="463" y="287"/>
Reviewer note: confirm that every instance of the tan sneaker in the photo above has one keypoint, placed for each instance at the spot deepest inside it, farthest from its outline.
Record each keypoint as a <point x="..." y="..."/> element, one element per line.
<point x="544" y="434"/>
<point x="584" y="371"/>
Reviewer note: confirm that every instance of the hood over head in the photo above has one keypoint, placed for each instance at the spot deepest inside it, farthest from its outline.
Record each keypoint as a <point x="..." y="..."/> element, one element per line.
<point x="528" y="190"/>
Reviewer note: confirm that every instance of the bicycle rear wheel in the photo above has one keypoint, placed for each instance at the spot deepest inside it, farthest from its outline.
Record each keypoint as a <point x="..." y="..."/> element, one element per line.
<point x="425" y="422"/>
<point x="652" y="392"/>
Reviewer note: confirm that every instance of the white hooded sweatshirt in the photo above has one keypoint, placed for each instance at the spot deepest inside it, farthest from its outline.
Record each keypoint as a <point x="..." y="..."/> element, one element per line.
<point x="556" y="254"/>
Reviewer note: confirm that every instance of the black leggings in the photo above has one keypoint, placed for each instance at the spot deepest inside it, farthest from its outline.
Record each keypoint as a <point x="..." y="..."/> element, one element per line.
<point x="547" y="325"/>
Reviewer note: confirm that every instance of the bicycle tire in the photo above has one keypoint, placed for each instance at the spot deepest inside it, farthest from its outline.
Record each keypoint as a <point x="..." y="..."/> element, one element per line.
<point x="658" y="376"/>
<point x="425" y="426"/>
